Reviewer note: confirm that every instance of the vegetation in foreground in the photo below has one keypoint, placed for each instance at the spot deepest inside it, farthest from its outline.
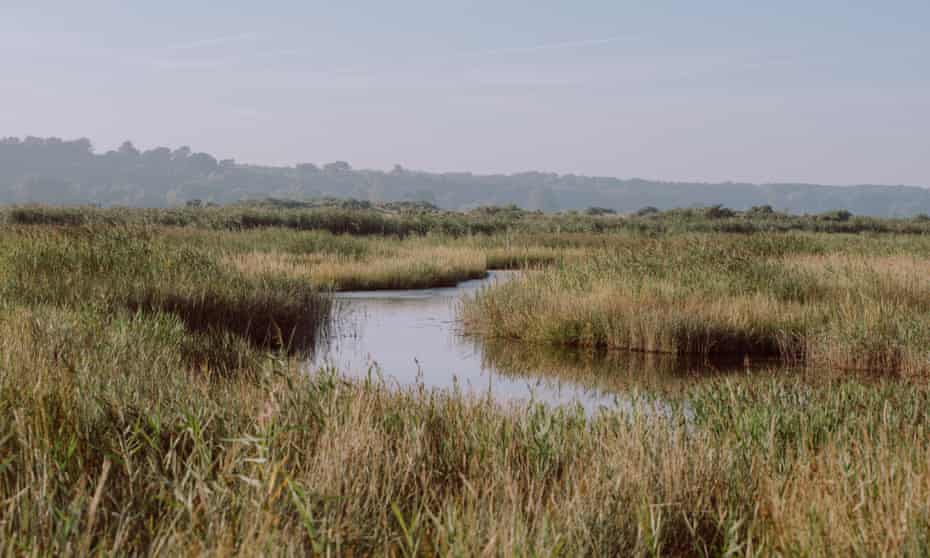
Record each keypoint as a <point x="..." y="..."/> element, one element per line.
<point x="113" y="444"/>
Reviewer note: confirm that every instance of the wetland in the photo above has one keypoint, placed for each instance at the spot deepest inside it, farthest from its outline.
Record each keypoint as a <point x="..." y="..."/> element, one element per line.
<point x="242" y="381"/>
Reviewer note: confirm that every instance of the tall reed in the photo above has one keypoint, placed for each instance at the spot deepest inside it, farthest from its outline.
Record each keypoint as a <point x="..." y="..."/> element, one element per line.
<point x="112" y="444"/>
<point x="106" y="270"/>
<point x="851" y="303"/>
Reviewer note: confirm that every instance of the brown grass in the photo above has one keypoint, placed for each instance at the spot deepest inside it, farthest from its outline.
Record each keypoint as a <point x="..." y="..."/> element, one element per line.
<point x="404" y="269"/>
<point x="851" y="310"/>
<point x="115" y="447"/>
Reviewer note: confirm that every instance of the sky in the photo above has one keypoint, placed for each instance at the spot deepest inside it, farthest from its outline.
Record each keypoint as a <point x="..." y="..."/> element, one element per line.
<point x="791" y="91"/>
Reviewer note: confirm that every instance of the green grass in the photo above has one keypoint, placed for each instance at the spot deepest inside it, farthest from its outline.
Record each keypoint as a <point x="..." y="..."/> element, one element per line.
<point x="107" y="271"/>
<point x="399" y="219"/>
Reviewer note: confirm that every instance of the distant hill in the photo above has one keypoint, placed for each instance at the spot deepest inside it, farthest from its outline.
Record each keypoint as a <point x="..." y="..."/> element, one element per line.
<point x="55" y="171"/>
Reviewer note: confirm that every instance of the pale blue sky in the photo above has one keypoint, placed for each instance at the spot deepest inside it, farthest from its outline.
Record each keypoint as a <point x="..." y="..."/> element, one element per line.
<point x="830" y="92"/>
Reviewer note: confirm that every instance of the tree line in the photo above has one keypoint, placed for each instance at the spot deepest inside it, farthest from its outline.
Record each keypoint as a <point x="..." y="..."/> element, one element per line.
<point x="70" y="172"/>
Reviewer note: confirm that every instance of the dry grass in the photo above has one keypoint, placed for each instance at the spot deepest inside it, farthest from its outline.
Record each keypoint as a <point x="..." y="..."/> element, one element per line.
<point x="128" y="430"/>
<point x="652" y="318"/>
<point x="348" y="263"/>
<point x="116" y="447"/>
<point x="862" y="308"/>
<point x="108" y="270"/>
<point x="407" y="268"/>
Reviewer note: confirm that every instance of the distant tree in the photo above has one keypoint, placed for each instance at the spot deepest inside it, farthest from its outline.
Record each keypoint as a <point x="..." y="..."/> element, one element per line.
<point x="646" y="211"/>
<point x="542" y="198"/>
<point x="307" y="173"/>
<point x="160" y="157"/>
<point x="127" y="149"/>
<point x="45" y="190"/>
<point x="337" y="167"/>
<point x="425" y="196"/>
<point x="181" y="153"/>
<point x="718" y="212"/>
<point x="840" y="215"/>
<point x="70" y="171"/>
<point x="760" y="210"/>
<point x="82" y="146"/>
<point x="594" y="210"/>
<point x="201" y="164"/>
<point x="511" y="209"/>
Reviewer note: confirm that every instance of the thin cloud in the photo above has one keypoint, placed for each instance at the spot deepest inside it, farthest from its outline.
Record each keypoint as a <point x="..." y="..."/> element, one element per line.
<point x="214" y="41"/>
<point x="548" y="46"/>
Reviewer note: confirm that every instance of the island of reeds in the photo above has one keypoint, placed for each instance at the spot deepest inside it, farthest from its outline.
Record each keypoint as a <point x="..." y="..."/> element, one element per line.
<point x="155" y="398"/>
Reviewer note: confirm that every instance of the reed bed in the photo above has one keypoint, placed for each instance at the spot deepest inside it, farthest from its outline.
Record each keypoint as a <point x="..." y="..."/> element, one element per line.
<point x="109" y="270"/>
<point x="117" y="446"/>
<point x="154" y="398"/>
<point x="343" y="262"/>
<point x="405" y="268"/>
<point x="361" y="217"/>
<point x="845" y="302"/>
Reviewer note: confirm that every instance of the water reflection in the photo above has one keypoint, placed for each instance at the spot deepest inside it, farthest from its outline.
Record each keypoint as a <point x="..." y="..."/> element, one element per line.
<point x="605" y="371"/>
<point x="413" y="337"/>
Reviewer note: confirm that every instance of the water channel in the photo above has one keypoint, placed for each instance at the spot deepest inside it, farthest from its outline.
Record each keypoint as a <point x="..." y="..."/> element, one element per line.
<point x="413" y="337"/>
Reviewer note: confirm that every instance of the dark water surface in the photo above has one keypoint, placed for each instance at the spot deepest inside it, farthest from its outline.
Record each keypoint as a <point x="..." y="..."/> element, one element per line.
<point x="413" y="337"/>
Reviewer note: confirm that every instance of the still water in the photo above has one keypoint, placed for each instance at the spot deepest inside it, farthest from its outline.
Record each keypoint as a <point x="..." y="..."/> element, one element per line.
<point x="413" y="337"/>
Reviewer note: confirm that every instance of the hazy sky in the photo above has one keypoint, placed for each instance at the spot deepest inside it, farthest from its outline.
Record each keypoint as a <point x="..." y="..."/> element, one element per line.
<point x="818" y="91"/>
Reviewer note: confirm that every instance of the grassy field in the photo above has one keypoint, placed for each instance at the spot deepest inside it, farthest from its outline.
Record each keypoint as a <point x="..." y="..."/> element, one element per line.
<point x="154" y="400"/>
<point x="113" y="444"/>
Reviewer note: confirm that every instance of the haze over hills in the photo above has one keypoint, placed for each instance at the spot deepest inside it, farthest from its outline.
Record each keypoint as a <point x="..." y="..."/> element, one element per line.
<point x="60" y="172"/>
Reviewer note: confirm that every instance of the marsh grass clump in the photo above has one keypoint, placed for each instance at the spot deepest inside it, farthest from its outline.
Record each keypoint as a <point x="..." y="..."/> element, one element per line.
<point x="814" y="449"/>
<point x="344" y="262"/>
<point x="657" y="296"/>
<point x="846" y="302"/>
<point x="109" y="270"/>
<point x="387" y="265"/>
